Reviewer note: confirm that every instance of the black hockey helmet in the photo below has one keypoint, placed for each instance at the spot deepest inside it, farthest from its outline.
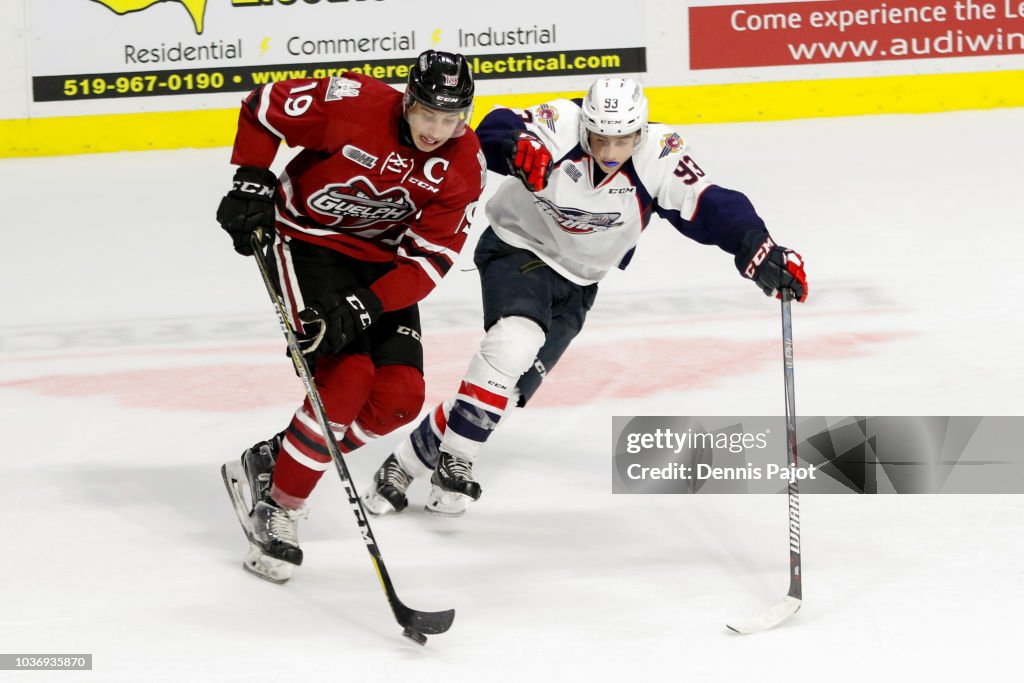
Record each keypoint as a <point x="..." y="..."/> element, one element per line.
<point x="441" y="80"/>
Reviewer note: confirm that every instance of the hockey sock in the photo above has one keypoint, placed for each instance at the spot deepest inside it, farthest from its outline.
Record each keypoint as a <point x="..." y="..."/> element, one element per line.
<point x="507" y="351"/>
<point x="418" y="452"/>
<point x="345" y="383"/>
<point x="474" y="414"/>
<point x="302" y="461"/>
<point x="304" y="457"/>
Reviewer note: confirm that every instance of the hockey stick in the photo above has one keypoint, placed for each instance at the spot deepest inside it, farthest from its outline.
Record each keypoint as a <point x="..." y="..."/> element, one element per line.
<point x="789" y="605"/>
<point x="413" y="622"/>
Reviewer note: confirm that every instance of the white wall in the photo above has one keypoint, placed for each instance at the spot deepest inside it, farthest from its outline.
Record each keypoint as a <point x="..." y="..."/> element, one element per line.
<point x="14" y="93"/>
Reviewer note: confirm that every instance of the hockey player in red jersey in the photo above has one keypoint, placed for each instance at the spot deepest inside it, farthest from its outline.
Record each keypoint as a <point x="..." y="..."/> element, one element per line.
<point x="361" y="225"/>
<point x="589" y="175"/>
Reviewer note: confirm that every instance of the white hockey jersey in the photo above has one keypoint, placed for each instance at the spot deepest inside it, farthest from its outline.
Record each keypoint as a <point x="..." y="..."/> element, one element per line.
<point x="583" y="229"/>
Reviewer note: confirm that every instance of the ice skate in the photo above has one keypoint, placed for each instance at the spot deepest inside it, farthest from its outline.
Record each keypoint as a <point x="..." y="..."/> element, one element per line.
<point x="388" y="491"/>
<point x="453" y="486"/>
<point x="270" y="528"/>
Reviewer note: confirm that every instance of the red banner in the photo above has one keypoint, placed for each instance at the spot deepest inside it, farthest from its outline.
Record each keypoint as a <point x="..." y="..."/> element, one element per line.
<point x="827" y="31"/>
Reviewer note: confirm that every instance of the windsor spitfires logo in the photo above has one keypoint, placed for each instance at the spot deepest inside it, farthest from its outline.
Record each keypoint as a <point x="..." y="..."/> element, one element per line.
<point x="357" y="203"/>
<point x="195" y="8"/>
<point x="548" y="115"/>
<point x="670" y="144"/>
<point x="577" y="221"/>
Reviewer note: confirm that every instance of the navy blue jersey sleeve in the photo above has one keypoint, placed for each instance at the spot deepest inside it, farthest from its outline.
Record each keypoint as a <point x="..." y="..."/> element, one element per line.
<point x="723" y="217"/>
<point x="494" y="132"/>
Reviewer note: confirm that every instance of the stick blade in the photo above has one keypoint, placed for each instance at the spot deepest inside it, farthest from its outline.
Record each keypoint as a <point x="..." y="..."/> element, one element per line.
<point x="769" y="619"/>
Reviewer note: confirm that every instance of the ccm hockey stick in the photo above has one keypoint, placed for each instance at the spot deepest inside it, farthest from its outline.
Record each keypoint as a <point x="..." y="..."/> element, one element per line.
<point x="415" y="624"/>
<point x="789" y="605"/>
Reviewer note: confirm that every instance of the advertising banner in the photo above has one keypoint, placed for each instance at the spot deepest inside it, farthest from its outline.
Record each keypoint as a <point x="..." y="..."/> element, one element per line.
<point x="120" y="51"/>
<point x="840" y="31"/>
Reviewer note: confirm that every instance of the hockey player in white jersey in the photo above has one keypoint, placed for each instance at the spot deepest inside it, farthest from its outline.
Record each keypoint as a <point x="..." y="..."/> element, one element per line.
<point x="591" y="173"/>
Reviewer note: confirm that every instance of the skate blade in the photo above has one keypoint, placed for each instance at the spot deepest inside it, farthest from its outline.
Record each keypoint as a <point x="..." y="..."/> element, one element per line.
<point x="235" y="482"/>
<point x="265" y="567"/>
<point x="377" y="505"/>
<point x="447" y="503"/>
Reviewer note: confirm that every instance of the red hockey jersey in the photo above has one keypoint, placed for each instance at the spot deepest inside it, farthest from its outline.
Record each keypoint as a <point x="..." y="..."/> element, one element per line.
<point x="356" y="187"/>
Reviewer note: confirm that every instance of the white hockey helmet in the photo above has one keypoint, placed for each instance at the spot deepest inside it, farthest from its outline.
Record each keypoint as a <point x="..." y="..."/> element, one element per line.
<point x="613" y="106"/>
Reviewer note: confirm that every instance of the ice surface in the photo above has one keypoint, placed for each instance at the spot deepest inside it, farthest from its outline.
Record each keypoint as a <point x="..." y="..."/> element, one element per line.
<point x="138" y="353"/>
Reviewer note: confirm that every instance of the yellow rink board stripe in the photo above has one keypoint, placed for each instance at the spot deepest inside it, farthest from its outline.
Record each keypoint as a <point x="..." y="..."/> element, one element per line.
<point x="770" y="101"/>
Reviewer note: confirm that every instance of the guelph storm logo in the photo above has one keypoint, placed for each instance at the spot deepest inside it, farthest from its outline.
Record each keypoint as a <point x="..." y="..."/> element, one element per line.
<point x="357" y="203"/>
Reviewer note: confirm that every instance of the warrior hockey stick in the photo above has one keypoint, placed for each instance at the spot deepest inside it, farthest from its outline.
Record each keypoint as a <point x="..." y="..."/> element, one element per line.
<point x="415" y="624"/>
<point x="789" y="605"/>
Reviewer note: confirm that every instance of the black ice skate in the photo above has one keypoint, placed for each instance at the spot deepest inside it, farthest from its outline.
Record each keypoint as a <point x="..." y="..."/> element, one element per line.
<point x="258" y="465"/>
<point x="388" y="491"/>
<point x="270" y="528"/>
<point x="453" y="486"/>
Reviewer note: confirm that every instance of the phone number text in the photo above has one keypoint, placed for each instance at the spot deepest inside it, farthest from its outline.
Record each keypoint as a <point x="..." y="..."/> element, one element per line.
<point x="139" y="84"/>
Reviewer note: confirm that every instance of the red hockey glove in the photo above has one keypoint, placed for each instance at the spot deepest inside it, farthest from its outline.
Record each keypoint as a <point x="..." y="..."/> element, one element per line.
<point x="249" y="205"/>
<point x="772" y="267"/>
<point x="529" y="160"/>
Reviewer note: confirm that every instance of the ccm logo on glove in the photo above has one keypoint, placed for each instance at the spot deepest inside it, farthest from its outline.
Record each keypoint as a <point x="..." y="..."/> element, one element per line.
<point x="365" y="320"/>
<point x="249" y="207"/>
<point x="254" y="189"/>
<point x="772" y="267"/>
<point x="759" y="256"/>
<point x="330" y="324"/>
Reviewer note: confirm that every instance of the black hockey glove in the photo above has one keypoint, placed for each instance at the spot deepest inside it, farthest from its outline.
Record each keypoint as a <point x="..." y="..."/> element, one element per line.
<point x="772" y="267"/>
<point x="249" y="205"/>
<point x="529" y="160"/>
<point x="335" y="321"/>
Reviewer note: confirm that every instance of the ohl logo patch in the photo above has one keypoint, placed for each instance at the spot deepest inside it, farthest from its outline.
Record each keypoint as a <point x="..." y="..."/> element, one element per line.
<point x="670" y="144"/>
<point x="358" y="203"/>
<point x="195" y="8"/>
